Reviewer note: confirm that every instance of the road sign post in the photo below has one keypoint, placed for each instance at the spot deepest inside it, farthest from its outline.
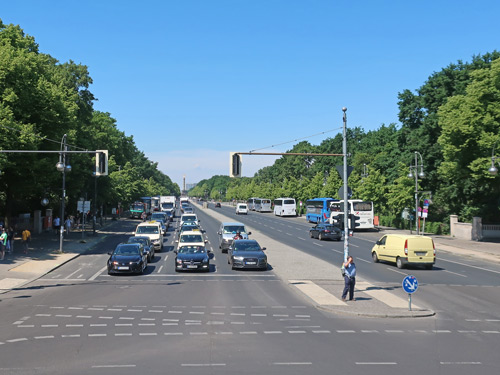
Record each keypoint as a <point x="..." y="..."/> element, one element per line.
<point x="410" y="286"/>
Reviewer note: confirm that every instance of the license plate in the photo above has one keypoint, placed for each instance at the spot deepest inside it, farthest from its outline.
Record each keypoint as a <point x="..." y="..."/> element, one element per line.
<point x="250" y="263"/>
<point x="190" y="266"/>
<point x="420" y="253"/>
<point x="123" y="268"/>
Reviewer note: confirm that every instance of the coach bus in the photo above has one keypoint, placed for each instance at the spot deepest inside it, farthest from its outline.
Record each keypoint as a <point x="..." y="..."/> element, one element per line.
<point x="251" y="203"/>
<point x="363" y="209"/>
<point x="285" y="207"/>
<point x="318" y="209"/>
<point x="263" y="205"/>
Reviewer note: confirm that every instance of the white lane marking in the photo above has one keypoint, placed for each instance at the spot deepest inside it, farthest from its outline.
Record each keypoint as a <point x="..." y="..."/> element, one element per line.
<point x="394" y="331"/>
<point x="300" y="238"/>
<point x="95" y="308"/>
<point x="98" y="325"/>
<point x="43" y="337"/>
<point x="490" y="331"/>
<point x="84" y="316"/>
<point x="80" y="276"/>
<point x="317" y="244"/>
<point x="113" y="366"/>
<point x="148" y="334"/>
<point x="248" y="333"/>
<point x="49" y="325"/>
<point x="71" y="274"/>
<point x="469" y="265"/>
<point x="363" y="260"/>
<point x="346" y="331"/>
<point x="27" y="326"/>
<point x="94" y="276"/>
<point x="454" y="273"/>
<point x="74" y="325"/>
<point x="173" y="333"/>
<point x="64" y="336"/>
<point x="159" y="270"/>
<point x="393" y="270"/>
<point x="97" y="334"/>
<point x="460" y="363"/>
<point x="272" y="332"/>
<point x="165" y="258"/>
<point x="289" y="234"/>
<point x="296" y="331"/>
<point x="17" y="340"/>
<point x="322" y="331"/>
<point x="351" y="244"/>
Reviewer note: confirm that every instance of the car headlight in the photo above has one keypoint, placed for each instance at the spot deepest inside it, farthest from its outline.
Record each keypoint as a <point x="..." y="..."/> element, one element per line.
<point x="238" y="258"/>
<point x="179" y="261"/>
<point x="115" y="263"/>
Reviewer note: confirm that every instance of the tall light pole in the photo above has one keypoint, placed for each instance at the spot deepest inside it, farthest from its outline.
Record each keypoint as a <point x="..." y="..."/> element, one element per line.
<point x="346" y="197"/>
<point x="61" y="166"/>
<point x="414" y="173"/>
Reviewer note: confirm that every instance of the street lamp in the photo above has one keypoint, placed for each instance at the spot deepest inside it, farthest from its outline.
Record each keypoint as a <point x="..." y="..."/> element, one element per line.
<point x="63" y="167"/>
<point x="365" y="172"/>
<point x="421" y="174"/>
<point x="493" y="170"/>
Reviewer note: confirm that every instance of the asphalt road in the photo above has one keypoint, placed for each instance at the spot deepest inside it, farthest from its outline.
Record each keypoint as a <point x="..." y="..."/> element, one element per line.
<point x="79" y="320"/>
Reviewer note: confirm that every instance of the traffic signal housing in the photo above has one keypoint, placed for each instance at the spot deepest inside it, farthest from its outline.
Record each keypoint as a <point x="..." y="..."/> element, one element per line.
<point x="235" y="165"/>
<point x="101" y="163"/>
<point x="354" y="221"/>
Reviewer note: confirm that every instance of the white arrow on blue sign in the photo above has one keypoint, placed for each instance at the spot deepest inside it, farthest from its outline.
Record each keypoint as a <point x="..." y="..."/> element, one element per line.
<point x="410" y="284"/>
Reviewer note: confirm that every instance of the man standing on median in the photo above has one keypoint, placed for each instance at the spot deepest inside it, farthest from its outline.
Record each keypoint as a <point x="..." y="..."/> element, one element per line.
<point x="350" y="279"/>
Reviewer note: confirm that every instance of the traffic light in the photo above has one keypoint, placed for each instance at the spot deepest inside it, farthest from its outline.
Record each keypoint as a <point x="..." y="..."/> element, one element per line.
<point x="235" y="167"/>
<point x="354" y="221"/>
<point x="101" y="163"/>
<point x="338" y="221"/>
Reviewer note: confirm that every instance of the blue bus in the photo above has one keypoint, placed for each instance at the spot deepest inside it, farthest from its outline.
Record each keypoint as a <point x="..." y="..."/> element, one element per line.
<point x="318" y="209"/>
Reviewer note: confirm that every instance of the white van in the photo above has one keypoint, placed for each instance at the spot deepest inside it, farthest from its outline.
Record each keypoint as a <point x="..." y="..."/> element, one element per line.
<point x="405" y="250"/>
<point x="153" y="230"/>
<point x="241" y="208"/>
<point x="285" y="207"/>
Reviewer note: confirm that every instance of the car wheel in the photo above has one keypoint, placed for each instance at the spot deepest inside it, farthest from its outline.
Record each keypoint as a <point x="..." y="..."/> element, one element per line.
<point x="320" y="237"/>
<point x="399" y="263"/>
<point x="311" y="234"/>
<point x="375" y="257"/>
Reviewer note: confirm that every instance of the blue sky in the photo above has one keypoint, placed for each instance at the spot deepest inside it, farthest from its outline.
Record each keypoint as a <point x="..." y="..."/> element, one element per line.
<point x="193" y="80"/>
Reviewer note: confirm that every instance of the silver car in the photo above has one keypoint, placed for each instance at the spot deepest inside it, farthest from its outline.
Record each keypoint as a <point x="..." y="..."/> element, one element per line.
<point x="227" y="232"/>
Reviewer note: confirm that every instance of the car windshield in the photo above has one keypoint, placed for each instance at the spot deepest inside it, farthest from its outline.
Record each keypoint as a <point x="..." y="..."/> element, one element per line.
<point x="189" y="218"/>
<point x="150" y="229"/>
<point x="158" y="217"/>
<point x="144" y="241"/>
<point x="126" y="250"/>
<point x="234" y="229"/>
<point x="246" y="246"/>
<point x="191" y="238"/>
<point x="191" y="250"/>
<point x="189" y="227"/>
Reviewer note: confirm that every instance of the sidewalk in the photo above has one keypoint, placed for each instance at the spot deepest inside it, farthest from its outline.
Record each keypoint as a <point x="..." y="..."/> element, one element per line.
<point x="18" y="269"/>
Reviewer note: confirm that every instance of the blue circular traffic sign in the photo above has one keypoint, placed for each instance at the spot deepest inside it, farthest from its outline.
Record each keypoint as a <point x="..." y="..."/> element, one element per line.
<point x="410" y="284"/>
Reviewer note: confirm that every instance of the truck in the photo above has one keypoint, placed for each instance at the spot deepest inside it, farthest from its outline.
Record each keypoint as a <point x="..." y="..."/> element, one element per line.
<point x="167" y="204"/>
<point x="136" y="210"/>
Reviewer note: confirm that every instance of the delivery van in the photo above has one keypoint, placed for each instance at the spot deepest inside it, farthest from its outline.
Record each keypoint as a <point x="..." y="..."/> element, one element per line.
<point x="405" y="250"/>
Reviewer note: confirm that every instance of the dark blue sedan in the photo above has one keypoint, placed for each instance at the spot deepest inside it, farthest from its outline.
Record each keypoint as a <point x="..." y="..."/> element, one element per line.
<point x="128" y="258"/>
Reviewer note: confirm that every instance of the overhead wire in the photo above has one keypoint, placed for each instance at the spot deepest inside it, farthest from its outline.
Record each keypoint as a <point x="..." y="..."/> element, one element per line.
<point x="43" y="138"/>
<point x="295" y="140"/>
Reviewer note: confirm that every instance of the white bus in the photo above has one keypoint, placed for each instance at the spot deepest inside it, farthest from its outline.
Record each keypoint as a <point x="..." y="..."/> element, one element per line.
<point x="363" y="209"/>
<point x="263" y="205"/>
<point x="285" y="207"/>
<point x="251" y="203"/>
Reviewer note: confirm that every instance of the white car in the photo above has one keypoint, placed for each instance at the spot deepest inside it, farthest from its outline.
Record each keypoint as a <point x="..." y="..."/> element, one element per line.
<point x="153" y="230"/>
<point x="191" y="238"/>
<point x="241" y="208"/>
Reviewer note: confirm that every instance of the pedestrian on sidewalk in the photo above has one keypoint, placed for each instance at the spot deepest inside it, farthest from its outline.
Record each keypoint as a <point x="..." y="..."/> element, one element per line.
<point x="349" y="279"/>
<point x="10" y="240"/>
<point x="57" y="224"/>
<point x="3" y="242"/>
<point x="26" y="236"/>
<point x="67" y="225"/>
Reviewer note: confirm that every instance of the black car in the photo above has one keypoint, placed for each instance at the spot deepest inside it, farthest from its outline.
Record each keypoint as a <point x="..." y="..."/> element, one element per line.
<point x="324" y="231"/>
<point x="246" y="254"/>
<point x="128" y="258"/>
<point x="192" y="258"/>
<point x="146" y="243"/>
<point x="217" y="205"/>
